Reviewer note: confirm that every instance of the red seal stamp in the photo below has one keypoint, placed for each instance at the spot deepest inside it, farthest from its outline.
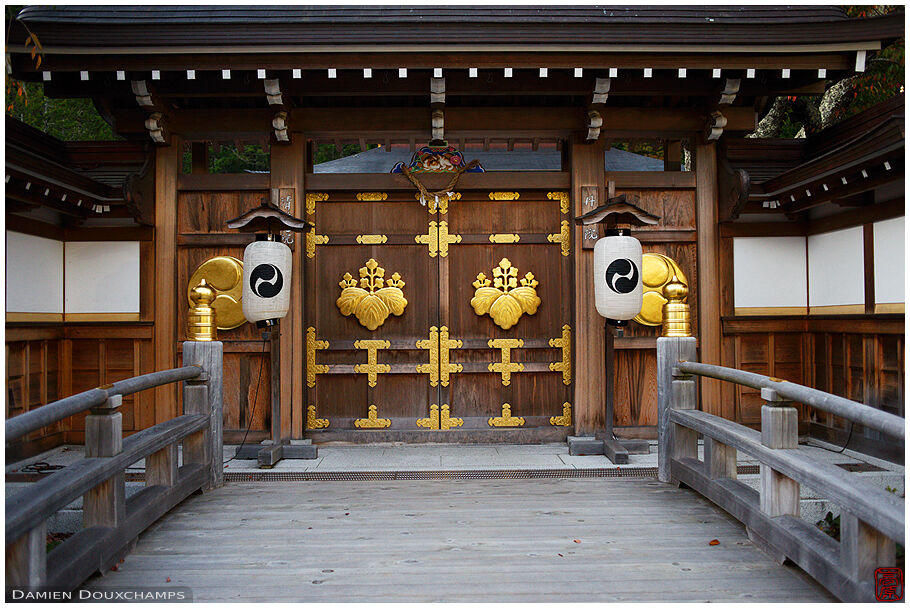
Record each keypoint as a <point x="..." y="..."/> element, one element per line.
<point x="889" y="584"/>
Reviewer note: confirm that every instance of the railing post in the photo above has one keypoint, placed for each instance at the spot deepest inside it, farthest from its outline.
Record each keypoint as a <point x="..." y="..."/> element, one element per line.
<point x="779" y="493"/>
<point x="863" y="549"/>
<point x="720" y="460"/>
<point x="674" y="345"/>
<point x="203" y="395"/>
<point x="26" y="559"/>
<point x="161" y="467"/>
<point x="105" y="504"/>
<point x="683" y="441"/>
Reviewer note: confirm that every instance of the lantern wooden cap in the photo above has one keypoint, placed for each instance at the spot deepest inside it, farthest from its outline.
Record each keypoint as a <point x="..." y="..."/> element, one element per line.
<point x="268" y="218"/>
<point x="619" y="210"/>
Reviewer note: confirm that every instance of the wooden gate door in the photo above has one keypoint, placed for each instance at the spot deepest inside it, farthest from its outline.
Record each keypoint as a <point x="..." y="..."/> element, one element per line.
<point x="506" y="297"/>
<point x="372" y="295"/>
<point x="403" y="334"/>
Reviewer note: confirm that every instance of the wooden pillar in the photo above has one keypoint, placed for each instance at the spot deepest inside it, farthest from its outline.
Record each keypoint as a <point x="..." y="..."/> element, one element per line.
<point x="779" y="493"/>
<point x="105" y="504"/>
<point x="26" y="559"/>
<point x="200" y="157"/>
<point x="863" y="548"/>
<point x="587" y="169"/>
<point x="287" y="175"/>
<point x="167" y="166"/>
<point x="708" y="320"/>
<point x="683" y="440"/>
<point x="205" y="395"/>
<point x="670" y="351"/>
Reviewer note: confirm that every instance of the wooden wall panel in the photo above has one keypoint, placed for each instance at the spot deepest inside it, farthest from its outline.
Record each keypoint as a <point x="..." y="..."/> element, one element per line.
<point x="207" y="212"/>
<point x="635" y="356"/>
<point x="41" y="370"/>
<point x="853" y="362"/>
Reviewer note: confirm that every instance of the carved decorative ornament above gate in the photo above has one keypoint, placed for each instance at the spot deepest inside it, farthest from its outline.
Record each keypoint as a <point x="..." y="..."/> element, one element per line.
<point x="505" y="301"/>
<point x="371" y="302"/>
<point x="436" y="159"/>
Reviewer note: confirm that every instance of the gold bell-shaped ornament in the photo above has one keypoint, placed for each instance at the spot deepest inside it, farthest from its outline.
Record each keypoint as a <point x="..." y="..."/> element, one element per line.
<point x="200" y="321"/>
<point x="676" y="319"/>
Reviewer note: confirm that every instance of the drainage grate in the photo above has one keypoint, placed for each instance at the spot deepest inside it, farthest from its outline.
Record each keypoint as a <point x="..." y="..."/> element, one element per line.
<point x="748" y="469"/>
<point x="859" y="467"/>
<point x="638" y="472"/>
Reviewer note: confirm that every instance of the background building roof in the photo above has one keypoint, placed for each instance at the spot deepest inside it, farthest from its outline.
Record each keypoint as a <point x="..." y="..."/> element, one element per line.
<point x="381" y="160"/>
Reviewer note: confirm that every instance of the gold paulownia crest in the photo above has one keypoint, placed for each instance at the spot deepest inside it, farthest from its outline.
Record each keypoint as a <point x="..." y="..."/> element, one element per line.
<point x="505" y="301"/>
<point x="371" y="303"/>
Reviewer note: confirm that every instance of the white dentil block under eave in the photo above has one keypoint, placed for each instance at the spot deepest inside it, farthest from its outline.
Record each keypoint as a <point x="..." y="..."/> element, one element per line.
<point x="888" y="256"/>
<point x="769" y="272"/>
<point x="102" y="277"/>
<point x="836" y="268"/>
<point x="34" y="274"/>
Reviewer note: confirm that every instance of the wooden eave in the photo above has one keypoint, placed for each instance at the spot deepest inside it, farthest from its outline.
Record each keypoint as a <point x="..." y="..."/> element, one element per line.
<point x="884" y="142"/>
<point x="42" y="171"/>
<point x="431" y="29"/>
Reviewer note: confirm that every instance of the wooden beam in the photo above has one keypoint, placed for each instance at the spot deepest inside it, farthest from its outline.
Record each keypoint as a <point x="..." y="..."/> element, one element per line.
<point x="464" y="122"/>
<point x="587" y="170"/>
<point x="489" y="83"/>
<point x="222" y="181"/>
<point x="745" y="229"/>
<point x="709" y="325"/>
<point x="287" y="177"/>
<point x="167" y="166"/>
<point x="26" y="225"/>
<point x="494" y="180"/>
<point x="651" y="180"/>
<point x="868" y="270"/>
<point x="857" y="217"/>
<point x="421" y="58"/>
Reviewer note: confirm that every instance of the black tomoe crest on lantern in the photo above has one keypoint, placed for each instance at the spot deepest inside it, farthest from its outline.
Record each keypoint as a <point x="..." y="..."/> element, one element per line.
<point x="617" y="277"/>
<point x="266" y="280"/>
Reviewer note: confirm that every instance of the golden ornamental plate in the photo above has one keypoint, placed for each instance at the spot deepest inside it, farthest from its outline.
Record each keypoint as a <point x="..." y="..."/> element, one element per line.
<point x="224" y="274"/>
<point x="657" y="270"/>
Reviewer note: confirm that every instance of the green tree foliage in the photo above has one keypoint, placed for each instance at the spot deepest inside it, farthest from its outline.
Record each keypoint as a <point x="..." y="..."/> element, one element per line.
<point x="884" y="75"/>
<point x="66" y="119"/>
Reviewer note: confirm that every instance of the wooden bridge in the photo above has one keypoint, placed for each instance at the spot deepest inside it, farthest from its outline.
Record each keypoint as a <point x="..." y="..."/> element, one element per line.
<point x="530" y="539"/>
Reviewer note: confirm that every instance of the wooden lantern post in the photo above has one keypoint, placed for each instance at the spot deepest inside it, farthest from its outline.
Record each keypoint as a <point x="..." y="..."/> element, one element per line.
<point x="267" y="221"/>
<point x="617" y="215"/>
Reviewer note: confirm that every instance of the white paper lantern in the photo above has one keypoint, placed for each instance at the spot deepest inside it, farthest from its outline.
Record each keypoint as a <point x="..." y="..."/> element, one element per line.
<point x="266" y="280"/>
<point x="617" y="277"/>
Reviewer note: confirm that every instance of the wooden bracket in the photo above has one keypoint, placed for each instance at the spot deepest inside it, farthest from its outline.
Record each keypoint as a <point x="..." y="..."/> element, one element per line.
<point x="595" y="122"/>
<point x="139" y="193"/>
<point x="437" y="123"/>
<point x="732" y="188"/>
<point x="601" y="90"/>
<point x="280" y="128"/>
<point x="155" y="123"/>
<point x="272" y="87"/>
<point x="157" y="128"/>
<point x="731" y="88"/>
<point x="714" y="126"/>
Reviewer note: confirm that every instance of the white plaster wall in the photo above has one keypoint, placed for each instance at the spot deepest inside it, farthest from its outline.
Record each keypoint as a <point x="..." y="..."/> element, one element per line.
<point x="836" y="268"/>
<point x="769" y="272"/>
<point x="34" y="274"/>
<point x="888" y="255"/>
<point x="102" y="276"/>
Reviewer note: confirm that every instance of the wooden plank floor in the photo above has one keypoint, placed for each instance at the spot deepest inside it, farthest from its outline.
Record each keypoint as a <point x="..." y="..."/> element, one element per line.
<point x="483" y="540"/>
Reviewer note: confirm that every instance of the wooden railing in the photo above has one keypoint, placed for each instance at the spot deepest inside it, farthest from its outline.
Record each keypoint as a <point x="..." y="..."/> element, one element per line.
<point x="872" y="519"/>
<point x="112" y="522"/>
